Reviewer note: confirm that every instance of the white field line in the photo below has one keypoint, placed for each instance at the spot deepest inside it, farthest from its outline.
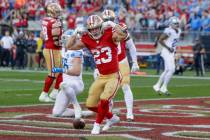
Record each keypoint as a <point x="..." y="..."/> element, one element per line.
<point x="117" y="101"/>
<point x="23" y="95"/>
<point x="20" y="80"/>
<point x="19" y="89"/>
<point x="175" y="134"/>
<point x="23" y="133"/>
<point x="181" y="86"/>
<point x="133" y="86"/>
<point x="179" y="77"/>
<point x="134" y="128"/>
<point x="189" y="126"/>
<point x="142" y="123"/>
<point x="5" y="123"/>
<point x="91" y="73"/>
<point x="156" y="124"/>
<point x="161" y="124"/>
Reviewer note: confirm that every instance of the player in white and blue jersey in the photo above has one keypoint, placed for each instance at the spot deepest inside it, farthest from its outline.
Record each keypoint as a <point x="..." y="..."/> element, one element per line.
<point x="72" y="84"/>
<point x="168" y="40"/>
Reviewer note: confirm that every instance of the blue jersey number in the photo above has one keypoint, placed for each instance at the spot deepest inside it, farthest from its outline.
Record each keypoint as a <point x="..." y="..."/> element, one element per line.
<point x="65" y="64"/>
<point x="174" y="43"/>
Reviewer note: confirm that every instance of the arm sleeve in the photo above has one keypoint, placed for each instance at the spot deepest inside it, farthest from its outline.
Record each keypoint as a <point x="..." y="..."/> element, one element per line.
<point x="132" y="49"/>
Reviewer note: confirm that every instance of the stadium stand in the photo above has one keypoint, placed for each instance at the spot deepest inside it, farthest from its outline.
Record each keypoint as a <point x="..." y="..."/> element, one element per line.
<point x="145" y="18"/>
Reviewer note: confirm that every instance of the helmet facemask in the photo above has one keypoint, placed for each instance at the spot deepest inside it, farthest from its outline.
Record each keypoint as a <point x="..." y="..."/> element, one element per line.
<point x="95" y="32"/>
<point x="174" y="22"/>
<point x="94" y="26"/>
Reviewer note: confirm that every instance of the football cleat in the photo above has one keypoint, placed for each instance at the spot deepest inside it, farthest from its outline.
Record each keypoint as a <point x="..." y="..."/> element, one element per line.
<point x="164" y="90"/>
<point x="54" y="94"/>
<point x="77" y="111"/>
<point x="156" y="88"/>
<point x="96" y="129"/>
<point x="129" y="117"/>
<point x="115" y="119"/>
<point x="44" y="98"/>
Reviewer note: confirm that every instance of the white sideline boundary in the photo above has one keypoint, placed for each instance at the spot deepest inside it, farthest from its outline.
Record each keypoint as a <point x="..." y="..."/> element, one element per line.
<point x="41" y="82"/>
<point x="91" y="73"/>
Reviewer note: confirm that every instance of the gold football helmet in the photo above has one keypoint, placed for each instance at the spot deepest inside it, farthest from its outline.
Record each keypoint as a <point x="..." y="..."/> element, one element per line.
<point x="108" y="15"/>
<point x="94" y="24"/>
<point x="53" y="10"/>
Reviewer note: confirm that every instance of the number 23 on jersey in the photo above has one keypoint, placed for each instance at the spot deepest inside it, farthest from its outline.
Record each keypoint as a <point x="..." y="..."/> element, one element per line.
<point x="102" y="55"/>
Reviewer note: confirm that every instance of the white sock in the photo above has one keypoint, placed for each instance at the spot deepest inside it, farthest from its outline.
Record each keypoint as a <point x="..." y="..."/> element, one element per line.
<point x="87" y="113"/>
<point x="168" y="77"/>
<point x="161" y="79"/>
<point x="111" y="104"/>
<point x="128" y="97"/>
<point x="55" y="90"/>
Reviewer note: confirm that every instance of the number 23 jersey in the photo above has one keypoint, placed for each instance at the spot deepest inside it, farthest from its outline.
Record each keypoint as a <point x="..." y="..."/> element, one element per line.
<point x="104" y="51"/>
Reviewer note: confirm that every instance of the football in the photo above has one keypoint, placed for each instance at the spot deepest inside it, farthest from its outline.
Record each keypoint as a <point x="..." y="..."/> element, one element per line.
<point x="78" y="124"/>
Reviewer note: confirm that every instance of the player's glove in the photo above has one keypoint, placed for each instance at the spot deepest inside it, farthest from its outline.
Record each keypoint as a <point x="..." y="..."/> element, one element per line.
<point x="171" y="50"/>
<point x="95" y="74"/>
<point x="135" y="67"/>
<point x="58" y="70"/>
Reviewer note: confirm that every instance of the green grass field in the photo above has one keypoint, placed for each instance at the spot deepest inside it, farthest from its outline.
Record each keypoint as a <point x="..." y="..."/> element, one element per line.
<point x="22" y="87"/>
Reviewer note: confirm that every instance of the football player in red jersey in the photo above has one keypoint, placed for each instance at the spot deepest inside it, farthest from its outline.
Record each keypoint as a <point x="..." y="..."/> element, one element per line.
<point x="52" y="30"/>
<point x="109" y="18"/>
<point x="102" y="43"/>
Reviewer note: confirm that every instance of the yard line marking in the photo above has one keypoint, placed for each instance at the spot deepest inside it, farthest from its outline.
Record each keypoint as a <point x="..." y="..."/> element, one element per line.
<point x="178" y="77"/>
<point x="20" y="80"/>
<point x="5" y="123"/>
<point x="20" y="89"/>
<point x="125" y="122"/>
<point x="91" y="73"/>
<point x="134" y="86"/>
<point x="175" y="134"/>
<point x="22" y="95"/>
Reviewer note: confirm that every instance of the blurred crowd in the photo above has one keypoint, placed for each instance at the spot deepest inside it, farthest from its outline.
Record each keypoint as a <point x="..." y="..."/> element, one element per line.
<point x="23" y="48"/>
<point x="138" y="14"/>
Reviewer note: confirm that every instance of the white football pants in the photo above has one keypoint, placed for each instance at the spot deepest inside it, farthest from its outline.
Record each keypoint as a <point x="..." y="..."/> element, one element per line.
<point x="69" y="91"/>
<point x="169" y="68"/>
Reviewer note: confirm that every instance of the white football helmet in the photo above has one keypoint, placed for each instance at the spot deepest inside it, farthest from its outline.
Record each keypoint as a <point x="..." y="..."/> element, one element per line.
<point x="174" y="22"/>
<point x="65" y="36"/>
